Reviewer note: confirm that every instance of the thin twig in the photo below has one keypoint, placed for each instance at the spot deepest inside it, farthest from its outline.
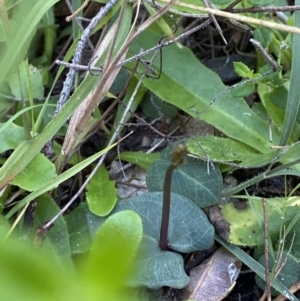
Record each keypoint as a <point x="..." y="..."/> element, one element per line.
<point x="266" y="241"/>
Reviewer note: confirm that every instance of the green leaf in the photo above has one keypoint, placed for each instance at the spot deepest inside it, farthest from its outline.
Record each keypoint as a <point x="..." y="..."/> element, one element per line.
<point x="261" y="2"/>
<point x="101" y="193"/>
<point x="11" y="137"/>
<point x="244" y="226"/>
<point x="243" y="90"/>
<point x="292" y="240"/>
<point x="279" y="97"/>
<point x="154" y="107"/>
<point x="78" y="225"/>
<point x="293" y="101"/>
<point x="166" y="268"/>
<point x="39" y="171"/>
<point x="242" y="70"/>
<point x="189" y="228"/>
<point x="190" y="179"/>
<point x="53" y="183"/>
<point x="219" y="149"/>
<point x="37" y="275"/>
<point x="29" y="81"/>
<point x="276" y="115"/>
<point x="27" y="16"/>
<point x="57" y="239"/>
<point x="221" y="2"/>
<point x="289" y="274"/>
<point x="195" y="93"/>
<point x="112" y="256"/>
<point x="139" y="158"/>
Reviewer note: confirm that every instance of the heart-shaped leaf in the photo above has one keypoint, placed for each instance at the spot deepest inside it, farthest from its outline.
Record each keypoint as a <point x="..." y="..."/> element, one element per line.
<point x="157" y="268"/>
<point x="191" y="179"/>
<point x="189" y="228"/>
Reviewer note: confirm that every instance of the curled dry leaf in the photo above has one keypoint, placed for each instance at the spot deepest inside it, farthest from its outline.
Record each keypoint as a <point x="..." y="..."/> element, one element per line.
<point x="214" y="279"/>
<point x="221" y="225"/>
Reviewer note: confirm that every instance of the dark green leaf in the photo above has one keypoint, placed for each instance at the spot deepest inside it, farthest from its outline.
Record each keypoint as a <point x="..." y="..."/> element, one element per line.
<point x="155" y="107"/>
<point x="57" y="239"/>
<point x="78" y="225"/>
<point x="156" y="268"/>
<point x="191" y="180"/>
<point x="279" y="97"/>
<point x="189" y="228"/>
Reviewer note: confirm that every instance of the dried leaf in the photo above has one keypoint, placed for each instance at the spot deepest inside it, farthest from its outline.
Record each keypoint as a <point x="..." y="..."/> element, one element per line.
<point x="214" y="279"/>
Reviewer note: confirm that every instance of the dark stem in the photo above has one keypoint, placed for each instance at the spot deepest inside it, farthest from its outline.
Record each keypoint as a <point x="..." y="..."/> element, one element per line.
<point x="164" y="244"/>
<point x="178" y="156"/>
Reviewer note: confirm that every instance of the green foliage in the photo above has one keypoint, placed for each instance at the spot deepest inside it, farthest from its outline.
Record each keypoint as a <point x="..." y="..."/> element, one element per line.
<point x="27" y="83"/>
<point x="101" y="193"/>
<point x="190" y="180"/>
<point x="123" y="249"/>
<point x="39" y="171"/>
<point x="142" y="159"/>
<point x="38" y="275"/>
<point x="219" y="149"/>
<point x="289" y="273"/>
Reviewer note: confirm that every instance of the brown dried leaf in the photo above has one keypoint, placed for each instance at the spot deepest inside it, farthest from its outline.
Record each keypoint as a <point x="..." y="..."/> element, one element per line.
<point x="214" y="279"/>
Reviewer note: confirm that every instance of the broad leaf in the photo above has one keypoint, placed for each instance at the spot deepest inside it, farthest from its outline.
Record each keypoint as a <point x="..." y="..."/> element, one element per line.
<point x="219" y="149"/>
<point x="101" y="193"/>
<point x="191" y="180"/>
<point x="156" y="268"/>
<point x="189" y="228"/>
<point x="111" y="260"/>
<point x="11" y="137"/>
<point x="29" y="81"/>
<point x="38" y="172"/>
<point x="79" y="229"/>
<point x="190" y="86"/>
<point x="244" y="225"/>
<point x="57" y="239"/>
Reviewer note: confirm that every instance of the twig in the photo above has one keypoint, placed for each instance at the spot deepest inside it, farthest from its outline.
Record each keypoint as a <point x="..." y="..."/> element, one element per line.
<point x="261" y="9"/>
<point x="266" y="241"/>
